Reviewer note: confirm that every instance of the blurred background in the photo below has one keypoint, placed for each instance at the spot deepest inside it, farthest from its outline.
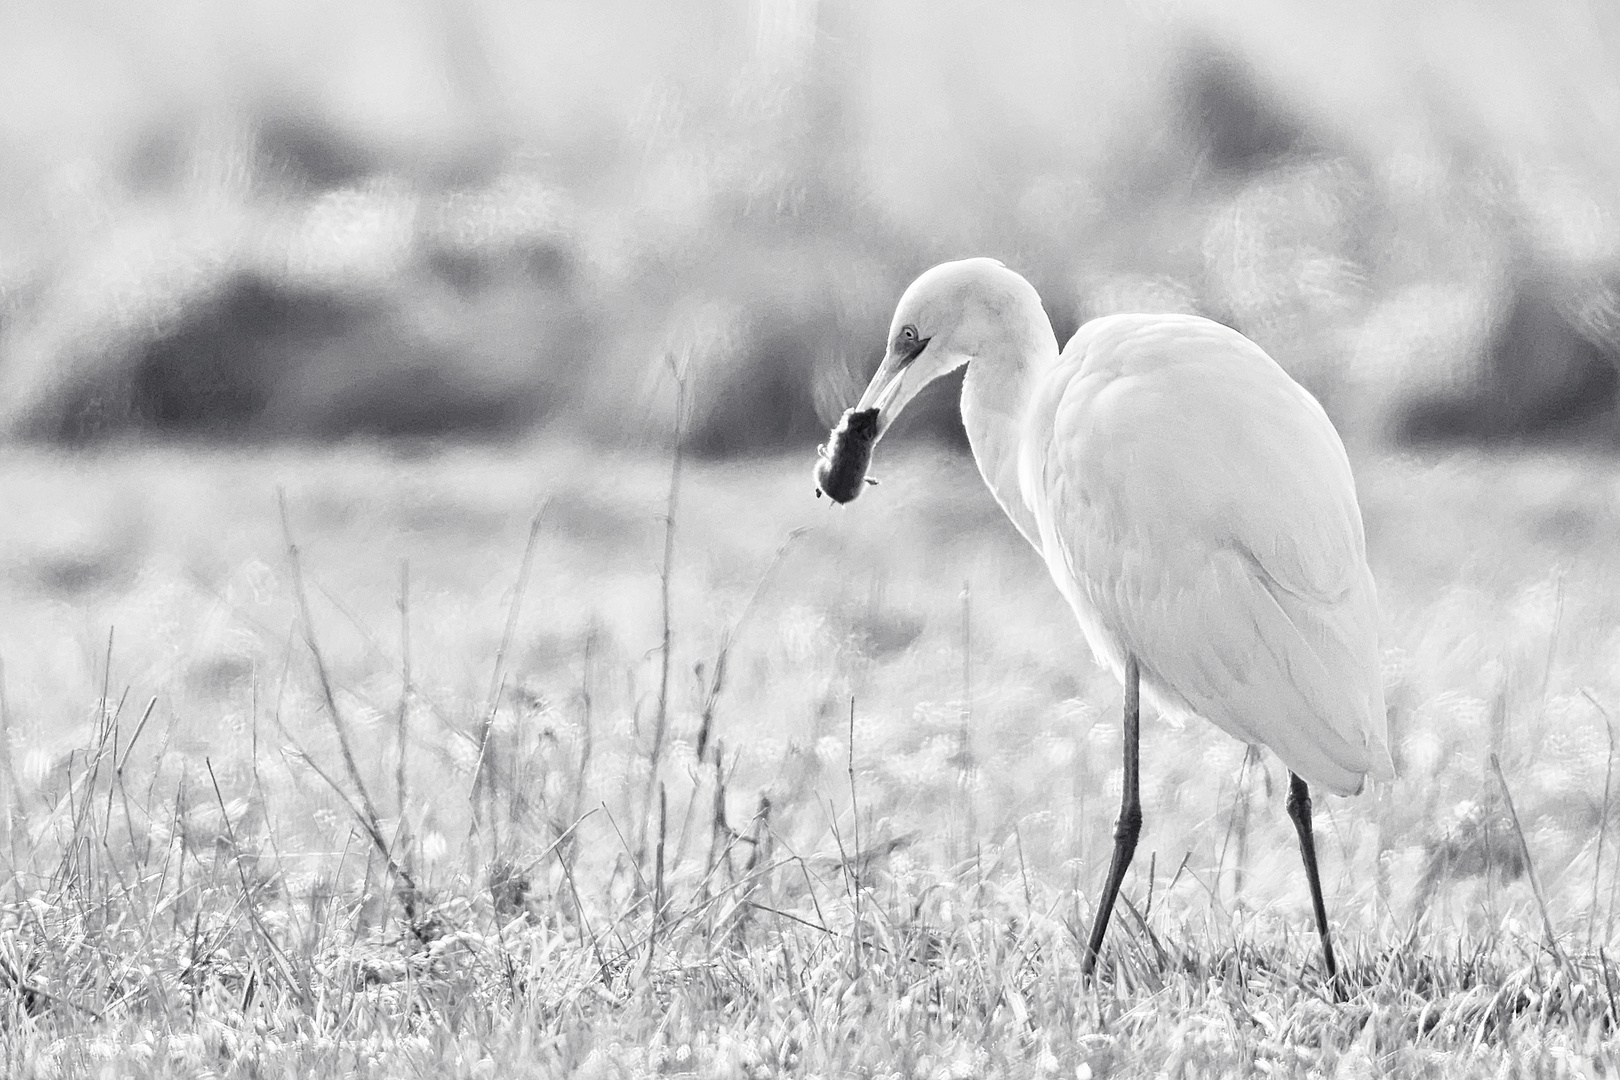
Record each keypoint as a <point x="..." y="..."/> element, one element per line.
<point x="427" y="269"/>
<point x="287" y="219"/>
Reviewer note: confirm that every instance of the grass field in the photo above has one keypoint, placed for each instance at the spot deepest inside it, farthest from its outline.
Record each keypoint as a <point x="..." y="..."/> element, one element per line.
<point x="880" y="863"/>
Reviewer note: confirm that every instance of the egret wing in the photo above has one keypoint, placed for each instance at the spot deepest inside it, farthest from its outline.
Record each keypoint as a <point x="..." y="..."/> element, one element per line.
<point x="1197" y="509"/>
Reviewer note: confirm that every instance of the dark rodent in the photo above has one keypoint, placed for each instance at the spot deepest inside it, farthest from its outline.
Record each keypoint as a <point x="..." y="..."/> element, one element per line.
<point x="842" y="463"/>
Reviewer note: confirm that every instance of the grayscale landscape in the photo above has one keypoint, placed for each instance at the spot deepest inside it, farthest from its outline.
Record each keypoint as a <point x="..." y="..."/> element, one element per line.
<point x="423" y="652"/>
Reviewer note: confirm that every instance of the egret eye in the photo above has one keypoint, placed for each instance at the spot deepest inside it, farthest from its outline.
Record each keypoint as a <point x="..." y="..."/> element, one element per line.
<point x="908" y="344"/>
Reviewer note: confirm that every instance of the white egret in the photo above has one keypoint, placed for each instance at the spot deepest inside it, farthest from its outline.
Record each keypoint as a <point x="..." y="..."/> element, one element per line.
<point x="1195" y="507"/>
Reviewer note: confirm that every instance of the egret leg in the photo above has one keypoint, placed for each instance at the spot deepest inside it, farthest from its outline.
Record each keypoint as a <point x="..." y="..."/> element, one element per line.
<point x="1299" y="809"/>
<point x="1129" y="825"/>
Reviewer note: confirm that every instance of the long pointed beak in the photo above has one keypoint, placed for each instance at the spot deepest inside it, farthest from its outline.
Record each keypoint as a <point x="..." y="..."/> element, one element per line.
<point x="887" y="392"/>
<point x="885" y="384"/>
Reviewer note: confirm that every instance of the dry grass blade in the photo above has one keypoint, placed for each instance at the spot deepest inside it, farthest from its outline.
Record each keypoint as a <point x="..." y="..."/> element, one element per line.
<point x="561" y="839"/>
<point x="666" y="576"/>
<point x="295" y="978"/>
<point x="728" y="638"/>
<point x="497" y="677"/>
<point x="855" y="838"/>
<point x="14" y="807"/>
<point x="366" y="813"/>
<point x="658" y="881"/>
<point x="705" y="900"/>
<point x="1603" y="819"/>
<point x="402" y="720"/>
<point x="966" y="768"/>
<point x="34" y="995"/>
<point x="1529" y="864"/>
<point x="129" y="747"/>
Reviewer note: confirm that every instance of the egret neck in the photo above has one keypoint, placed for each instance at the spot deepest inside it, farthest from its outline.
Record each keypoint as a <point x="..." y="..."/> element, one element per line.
<point x="1000" y="383"/>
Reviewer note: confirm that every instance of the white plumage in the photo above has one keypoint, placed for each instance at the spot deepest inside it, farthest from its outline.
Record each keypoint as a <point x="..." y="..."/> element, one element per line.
<point x="1196" y="508"/>
<point x="1193" y="503"/>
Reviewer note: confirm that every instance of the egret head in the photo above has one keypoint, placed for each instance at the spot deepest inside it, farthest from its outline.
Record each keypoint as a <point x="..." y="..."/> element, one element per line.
<point x="951" y="314"/>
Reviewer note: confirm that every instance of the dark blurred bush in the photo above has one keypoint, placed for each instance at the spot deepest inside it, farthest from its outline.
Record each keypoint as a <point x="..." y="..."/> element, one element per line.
<point x="431" y="335"/>
<point x="1551" y="370"/>
<point x="1235" y="124"/>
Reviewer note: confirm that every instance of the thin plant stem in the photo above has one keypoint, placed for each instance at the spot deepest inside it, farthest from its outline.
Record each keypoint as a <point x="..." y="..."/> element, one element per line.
<point x="1603" y="825"/>
<point x="964" y="740"/>
<point x="366" y="813"/>
<point x="402" y="720"/>
<point x="665" y="577"/>
<point x="1524" y="848"/>
<point x="483" y="768"/>
<point x="855" y="838"/>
